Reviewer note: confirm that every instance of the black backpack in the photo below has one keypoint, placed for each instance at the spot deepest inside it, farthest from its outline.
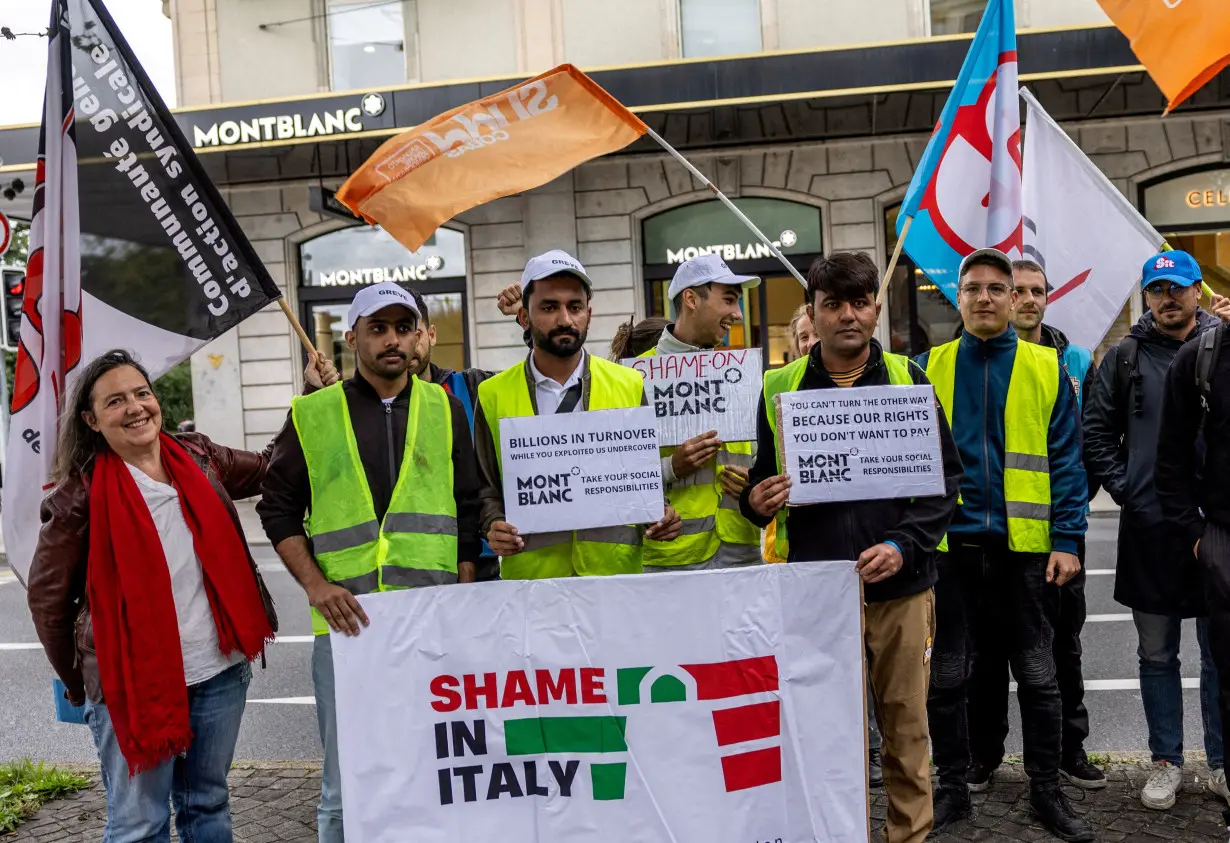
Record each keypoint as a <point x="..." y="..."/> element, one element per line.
<point x="1206" y="365"/>
<point x="1128" y="392"/>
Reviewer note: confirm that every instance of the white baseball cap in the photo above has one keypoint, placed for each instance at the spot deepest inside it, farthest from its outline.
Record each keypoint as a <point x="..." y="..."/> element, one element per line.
<point x="707" y="269"/>
<point x="551" y="263"/>
<point x="377" y="297"/>
<point x="993" y="256"/>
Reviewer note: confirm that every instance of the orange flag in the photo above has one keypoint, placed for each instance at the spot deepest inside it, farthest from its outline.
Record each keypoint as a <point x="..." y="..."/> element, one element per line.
<point x="497" y="146"/>
<point x="1182" y="43"/>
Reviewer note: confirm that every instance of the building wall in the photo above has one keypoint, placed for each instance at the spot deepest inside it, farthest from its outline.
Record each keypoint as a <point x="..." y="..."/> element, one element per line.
<point x="462" y="39"/>
<point x="290" y="59"/>
<point x="243" y="381"/>
<point x="1045" y="13"/>
<point x="599" y="32"/>
<point x="806" y="23"/>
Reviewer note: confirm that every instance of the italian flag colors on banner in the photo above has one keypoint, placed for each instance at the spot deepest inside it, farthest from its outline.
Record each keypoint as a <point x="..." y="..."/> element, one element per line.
<point x="726" y="708"/>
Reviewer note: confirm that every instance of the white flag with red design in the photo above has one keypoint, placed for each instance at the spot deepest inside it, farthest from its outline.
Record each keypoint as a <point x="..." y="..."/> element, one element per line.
<point x="1087" y="236"/>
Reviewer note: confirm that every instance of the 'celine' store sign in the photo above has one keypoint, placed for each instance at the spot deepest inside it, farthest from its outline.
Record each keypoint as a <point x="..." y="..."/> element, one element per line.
<point x="1196" y="199"/>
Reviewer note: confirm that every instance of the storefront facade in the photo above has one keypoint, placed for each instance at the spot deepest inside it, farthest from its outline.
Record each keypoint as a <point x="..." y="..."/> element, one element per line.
<point x="818" y="169"/>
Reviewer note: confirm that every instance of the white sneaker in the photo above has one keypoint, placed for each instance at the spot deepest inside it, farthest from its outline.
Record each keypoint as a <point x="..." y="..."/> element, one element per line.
<point x="1160" y="789"/>
<point x="1217" y="784"/>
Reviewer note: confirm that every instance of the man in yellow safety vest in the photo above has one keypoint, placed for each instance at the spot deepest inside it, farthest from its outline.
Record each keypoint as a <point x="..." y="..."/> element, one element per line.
<point x="383" y="468"/>
<point x="1012" y="542"/>
<point x="558" y="376"/>
<point x="705" y="476"/>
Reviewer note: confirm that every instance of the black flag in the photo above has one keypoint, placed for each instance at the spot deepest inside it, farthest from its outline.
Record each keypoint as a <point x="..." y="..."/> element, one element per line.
<point x="164" y="266"/>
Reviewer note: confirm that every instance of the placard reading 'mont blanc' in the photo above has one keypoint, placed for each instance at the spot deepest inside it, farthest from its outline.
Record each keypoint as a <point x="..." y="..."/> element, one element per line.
<point x="574" y="471"/>
<point x="859" y="444"/>
<point x="702" y="391"/>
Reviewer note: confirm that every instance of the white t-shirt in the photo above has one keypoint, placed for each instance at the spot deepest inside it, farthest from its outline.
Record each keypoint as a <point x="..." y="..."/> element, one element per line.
<point x="198" y="636"/>
<point x="549" y="393"/>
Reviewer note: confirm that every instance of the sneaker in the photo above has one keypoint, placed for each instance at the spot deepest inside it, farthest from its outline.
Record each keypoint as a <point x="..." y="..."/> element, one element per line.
<point x="951" y="806"/>
<point x="875" y="775"/>
<point x="978" y="777"/>
<point x="1161" y="787"/>
<point x="1052" y="809"/>
<point x="1083" y="774"/>
<point x="1217" y="784"/>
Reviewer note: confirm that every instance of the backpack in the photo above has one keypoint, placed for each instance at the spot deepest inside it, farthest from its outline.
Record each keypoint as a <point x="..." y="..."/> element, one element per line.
<point x="1206" y="365"/>
<point x="1128" y="391"/>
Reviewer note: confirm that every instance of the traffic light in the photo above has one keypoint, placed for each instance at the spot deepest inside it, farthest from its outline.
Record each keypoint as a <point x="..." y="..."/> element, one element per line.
<point x="13" y="289"/>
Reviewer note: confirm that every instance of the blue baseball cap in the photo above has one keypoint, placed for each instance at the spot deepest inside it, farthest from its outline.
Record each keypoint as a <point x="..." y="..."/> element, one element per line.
<point x="1174" y="266"/>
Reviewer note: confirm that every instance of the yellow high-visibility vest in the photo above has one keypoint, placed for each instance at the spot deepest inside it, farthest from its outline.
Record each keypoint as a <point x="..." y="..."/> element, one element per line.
<point x="416" y="543"/>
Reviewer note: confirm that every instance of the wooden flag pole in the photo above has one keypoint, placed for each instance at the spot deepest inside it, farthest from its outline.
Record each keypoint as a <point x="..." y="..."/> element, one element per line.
<point x="1204" y="286"/>
<point x="294" y="323"/>
<point x="892" y="264"/>
<point x="699" y="176"/>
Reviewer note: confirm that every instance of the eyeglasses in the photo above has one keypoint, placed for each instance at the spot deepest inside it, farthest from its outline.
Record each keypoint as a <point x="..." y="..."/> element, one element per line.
<point x="995" y="291"/>
<point x="1164" y="288"/>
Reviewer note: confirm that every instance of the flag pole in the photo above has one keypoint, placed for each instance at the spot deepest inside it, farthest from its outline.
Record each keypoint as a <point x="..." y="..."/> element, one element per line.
<point x="699" y="176"/>
<point x="294" y="323"/>
<point x="1204" y="285"/>
<point x="892" y="264"/>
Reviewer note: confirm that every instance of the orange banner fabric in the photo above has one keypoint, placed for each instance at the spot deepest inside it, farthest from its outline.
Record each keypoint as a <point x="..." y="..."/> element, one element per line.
<point x="1182" y="43"/>
<point x="504" y="144"/>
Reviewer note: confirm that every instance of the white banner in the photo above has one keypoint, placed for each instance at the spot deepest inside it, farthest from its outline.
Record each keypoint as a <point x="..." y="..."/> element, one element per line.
<point x="1087" y="236"/>
<point x="574" y="471"/>
<point x="859" y="444"/>
<point x="694" y="393"/>
<point x="724" y="707"/>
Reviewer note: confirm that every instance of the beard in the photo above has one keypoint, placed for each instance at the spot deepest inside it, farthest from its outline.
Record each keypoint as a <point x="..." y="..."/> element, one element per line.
<point x="561" y="342"/>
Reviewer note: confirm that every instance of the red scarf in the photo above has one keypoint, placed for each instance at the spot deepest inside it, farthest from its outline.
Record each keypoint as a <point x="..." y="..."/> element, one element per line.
<point x="136" y="632"/>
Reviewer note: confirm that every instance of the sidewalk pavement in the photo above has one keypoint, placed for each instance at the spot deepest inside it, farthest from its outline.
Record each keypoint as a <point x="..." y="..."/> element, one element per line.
<point x="275" y="802"/>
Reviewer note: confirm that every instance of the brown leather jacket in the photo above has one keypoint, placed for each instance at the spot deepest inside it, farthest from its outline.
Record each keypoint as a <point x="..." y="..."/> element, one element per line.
<point x="57" y="592"/>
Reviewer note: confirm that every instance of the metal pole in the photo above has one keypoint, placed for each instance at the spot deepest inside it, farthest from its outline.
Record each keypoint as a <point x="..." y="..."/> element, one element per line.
<point x="700" y="177"/>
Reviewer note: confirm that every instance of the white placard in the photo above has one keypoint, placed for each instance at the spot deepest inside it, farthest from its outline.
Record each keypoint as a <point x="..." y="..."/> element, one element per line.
<point x="862" y="443"/>
<point x="701" y="391"/>
<point x="574" y="471"/>
<point x="663" y="708"/>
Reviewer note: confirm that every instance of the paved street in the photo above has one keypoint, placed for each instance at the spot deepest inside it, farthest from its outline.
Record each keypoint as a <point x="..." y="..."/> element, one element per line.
<point x="280" y="721"/>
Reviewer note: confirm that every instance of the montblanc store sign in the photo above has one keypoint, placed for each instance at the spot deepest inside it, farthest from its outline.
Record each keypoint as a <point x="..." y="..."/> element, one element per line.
<point x="379" y="274"/>
<point x="709" y="228"/>
<point x="267" y="122"/>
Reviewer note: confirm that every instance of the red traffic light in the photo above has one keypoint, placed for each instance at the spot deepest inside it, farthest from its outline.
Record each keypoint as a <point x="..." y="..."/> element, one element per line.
<point x="17" y="285"/>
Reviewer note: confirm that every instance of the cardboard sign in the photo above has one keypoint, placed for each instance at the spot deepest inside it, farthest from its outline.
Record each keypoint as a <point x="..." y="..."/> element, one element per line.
<point x="861" y="444"/>
<point x="663" y="708"/>
<point x="574" y="471"/>
<point x="694" y="393"/>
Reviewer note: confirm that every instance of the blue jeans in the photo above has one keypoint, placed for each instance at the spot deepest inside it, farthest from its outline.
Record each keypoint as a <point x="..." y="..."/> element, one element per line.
<point x="329" y="811"/>
<point x="138" y="807"/>
<point x="1161" y="688"/>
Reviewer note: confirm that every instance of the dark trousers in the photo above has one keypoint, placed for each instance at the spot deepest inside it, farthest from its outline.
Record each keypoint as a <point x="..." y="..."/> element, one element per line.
<point x="988" y="692"/>
<point x="1215" y="556"/>
<point x="991" y="607"/>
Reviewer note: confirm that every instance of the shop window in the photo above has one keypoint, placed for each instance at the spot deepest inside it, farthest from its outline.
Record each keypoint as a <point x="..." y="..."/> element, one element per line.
<point x="954" y="16"/>
<point x="334" y="265"/>
<point x="719" y="27"/>
<point x="367" y="43"/>
<point x="919" y="315"/>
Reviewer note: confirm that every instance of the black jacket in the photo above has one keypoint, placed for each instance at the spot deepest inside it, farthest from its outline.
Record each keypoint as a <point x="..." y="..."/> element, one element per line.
<point x="1183" y="454"/>
<point x="1155" y="572"/>
<point x="844" y="530"/>
<point x="381" y="437"/>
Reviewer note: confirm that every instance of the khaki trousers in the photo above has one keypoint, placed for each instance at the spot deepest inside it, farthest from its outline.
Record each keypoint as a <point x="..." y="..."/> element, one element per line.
<point x="899" y="635"/>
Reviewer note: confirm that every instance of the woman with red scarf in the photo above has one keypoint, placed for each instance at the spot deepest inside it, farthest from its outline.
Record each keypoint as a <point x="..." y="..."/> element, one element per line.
<point x="148" y="603"/>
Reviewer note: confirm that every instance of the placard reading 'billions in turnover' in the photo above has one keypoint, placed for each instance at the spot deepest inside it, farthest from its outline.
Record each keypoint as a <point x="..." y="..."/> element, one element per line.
<point x="574" y="471"/>
<point x="860" y="444"/>
<point x="701" y="391"/>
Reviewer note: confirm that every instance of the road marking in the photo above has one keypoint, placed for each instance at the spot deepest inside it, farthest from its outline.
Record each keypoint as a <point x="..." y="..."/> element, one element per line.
<point x="1100" y="572"/>
<point x="287" y="701"/>
<point x="1126" y="616"/>
<point x="281" y="639"/>
<point x="7" y="577"/>
<point x="1120" y="684"/>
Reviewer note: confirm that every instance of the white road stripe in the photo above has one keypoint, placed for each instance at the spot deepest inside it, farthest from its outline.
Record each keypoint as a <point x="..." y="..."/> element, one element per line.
<point x="281" y="639"/>
<point x="287" y="701"/>
<point x="1120" y="684"/>
<point x="1100" y="572"/>
<point x="1126" y="616"/>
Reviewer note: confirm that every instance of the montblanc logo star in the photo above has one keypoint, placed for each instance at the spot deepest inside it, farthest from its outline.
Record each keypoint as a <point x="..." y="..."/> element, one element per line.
<point x="435" y="263"/>
<point x="788" y="238"/>
<point x="372" y="105"/>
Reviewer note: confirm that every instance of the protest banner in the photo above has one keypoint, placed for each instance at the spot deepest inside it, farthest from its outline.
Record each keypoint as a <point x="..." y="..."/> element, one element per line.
<point x="697" y="392"/>
<point x="576" y="471"/>
<point x="865" y="443"/>
<point x="726" y="708"/>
